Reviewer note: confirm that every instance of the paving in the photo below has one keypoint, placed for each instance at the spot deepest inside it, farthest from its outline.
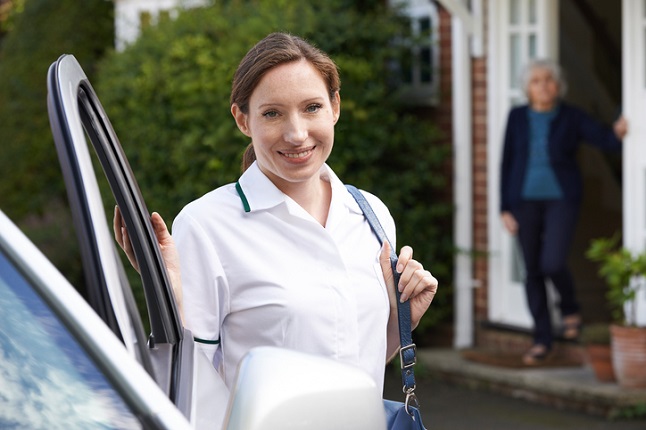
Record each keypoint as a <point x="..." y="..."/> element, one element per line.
<point x="456" y="393"/>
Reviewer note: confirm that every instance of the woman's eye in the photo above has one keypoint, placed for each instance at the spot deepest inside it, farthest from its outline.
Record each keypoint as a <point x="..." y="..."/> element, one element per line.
<point x="313" y="107"/>
<point x="270" y="114"/>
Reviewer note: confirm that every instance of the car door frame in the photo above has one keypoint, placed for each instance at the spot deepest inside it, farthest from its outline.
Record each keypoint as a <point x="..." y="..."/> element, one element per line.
<point x="76" y="112"/>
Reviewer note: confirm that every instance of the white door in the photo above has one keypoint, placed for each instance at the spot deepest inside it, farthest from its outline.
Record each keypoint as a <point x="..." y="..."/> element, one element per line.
<point x="518" y="31"/>
<point x="634" y="151"/>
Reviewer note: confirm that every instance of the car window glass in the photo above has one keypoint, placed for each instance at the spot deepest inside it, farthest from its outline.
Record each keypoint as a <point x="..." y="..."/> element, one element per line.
<point x="46" y="379"/>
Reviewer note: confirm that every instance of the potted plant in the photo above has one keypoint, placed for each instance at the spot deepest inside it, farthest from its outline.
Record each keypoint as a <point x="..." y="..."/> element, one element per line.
<point x="596" y="339"/>
<point x="624" y="272"/>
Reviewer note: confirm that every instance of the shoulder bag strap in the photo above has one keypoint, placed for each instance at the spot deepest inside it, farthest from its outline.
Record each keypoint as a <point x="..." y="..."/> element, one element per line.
<point x="408" y="350"/>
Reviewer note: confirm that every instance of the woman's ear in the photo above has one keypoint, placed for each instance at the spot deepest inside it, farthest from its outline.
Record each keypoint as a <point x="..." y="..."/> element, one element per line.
<point x="336" y="106"/>
<point x="241" y="119"/>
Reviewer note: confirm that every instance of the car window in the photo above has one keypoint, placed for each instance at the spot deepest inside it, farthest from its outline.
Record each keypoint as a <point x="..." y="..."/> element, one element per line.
<point x="46" y="379"/>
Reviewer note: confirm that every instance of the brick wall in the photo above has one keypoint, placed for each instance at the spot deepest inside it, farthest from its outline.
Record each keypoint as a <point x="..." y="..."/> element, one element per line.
<point x="480" y="186"/>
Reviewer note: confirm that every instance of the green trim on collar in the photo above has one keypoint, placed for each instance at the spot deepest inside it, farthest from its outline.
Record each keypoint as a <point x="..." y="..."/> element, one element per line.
<point x="245" y="203"/>
<point x="208" y="342"/>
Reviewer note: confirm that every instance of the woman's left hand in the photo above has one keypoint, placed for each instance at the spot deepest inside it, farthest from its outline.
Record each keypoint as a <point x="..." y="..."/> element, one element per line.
<point x="415" y="284"/>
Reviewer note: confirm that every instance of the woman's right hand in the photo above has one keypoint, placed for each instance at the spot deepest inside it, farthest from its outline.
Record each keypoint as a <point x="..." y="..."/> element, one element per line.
<point x="166" y="246"/>
<point x="509" y="222"/>
<point x="620" y="127"/>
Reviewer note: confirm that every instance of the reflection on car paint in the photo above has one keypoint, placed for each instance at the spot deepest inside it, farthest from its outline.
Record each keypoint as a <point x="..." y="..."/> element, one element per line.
<point x="46" y="379"/>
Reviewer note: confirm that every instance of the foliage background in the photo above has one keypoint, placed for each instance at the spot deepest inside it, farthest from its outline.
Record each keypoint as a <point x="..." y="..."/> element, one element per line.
<point x="167" y="96"/>
<point x="32" y="191"/>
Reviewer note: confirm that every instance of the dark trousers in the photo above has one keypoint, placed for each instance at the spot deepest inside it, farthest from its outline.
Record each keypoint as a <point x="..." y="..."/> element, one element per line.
<point x="545" y="231"/>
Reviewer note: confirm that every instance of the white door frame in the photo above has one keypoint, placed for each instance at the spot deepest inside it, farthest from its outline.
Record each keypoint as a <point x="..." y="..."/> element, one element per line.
<point x="466" y="42"/>
<point x="506" y="300"/>
<point x="634" y="149"/>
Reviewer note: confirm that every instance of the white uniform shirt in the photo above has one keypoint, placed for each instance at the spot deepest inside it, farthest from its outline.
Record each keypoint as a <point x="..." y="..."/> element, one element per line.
<point x="273" y="276"/>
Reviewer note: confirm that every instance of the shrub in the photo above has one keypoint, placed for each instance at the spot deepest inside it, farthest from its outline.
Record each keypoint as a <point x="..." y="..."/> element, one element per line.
<point x="32" y="190"/>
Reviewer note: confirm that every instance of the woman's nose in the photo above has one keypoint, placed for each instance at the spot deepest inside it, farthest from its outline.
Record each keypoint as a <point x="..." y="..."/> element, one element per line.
<point x="296" y="130"/>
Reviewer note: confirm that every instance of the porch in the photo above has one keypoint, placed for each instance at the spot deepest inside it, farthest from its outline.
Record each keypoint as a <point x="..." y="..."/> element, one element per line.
<point x="572" y="388"/>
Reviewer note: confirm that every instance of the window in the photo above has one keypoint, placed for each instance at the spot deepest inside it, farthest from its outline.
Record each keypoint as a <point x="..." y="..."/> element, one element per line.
<point x="418" y="70"/>
<point x="145" y="20"/>
<point x="523" y="35"/>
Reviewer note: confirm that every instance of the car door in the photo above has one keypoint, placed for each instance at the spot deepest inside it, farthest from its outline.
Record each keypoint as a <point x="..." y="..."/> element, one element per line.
<point x="76" y="118"/>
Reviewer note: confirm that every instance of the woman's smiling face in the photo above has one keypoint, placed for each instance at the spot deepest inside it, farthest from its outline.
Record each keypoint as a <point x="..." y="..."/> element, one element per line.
<point x="291" y="123"/>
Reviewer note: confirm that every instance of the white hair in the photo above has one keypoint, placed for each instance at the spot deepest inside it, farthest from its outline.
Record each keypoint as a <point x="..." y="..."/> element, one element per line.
<point x="544" y="64"/>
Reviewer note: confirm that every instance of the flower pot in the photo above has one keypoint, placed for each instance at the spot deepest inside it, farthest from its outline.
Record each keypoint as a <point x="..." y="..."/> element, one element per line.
<point x="600" y="358"/>
<point x="629" y="355"/>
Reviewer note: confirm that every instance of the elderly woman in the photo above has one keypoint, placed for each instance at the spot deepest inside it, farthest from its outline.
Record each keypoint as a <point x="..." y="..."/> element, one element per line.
<point x="541" y="190"/>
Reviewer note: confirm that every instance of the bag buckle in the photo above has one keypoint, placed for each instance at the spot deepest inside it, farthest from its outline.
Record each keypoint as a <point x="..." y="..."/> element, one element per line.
<point x="403" y="363"/>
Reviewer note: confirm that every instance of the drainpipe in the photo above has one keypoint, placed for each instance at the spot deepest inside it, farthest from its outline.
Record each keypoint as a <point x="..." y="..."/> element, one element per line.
<point x="466" y="36"/>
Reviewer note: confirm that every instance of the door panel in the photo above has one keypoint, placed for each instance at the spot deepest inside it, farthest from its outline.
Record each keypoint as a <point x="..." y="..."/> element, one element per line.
<point x="519" y="31"/>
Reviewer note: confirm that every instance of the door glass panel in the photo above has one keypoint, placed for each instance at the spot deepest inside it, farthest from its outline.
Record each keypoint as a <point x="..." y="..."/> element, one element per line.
<point x="514" y="12"/>
<point x="515" y="53"/>
<point x="47" y="379"/>
<point x="531" y="46"/>
<point x="532" y="12"/>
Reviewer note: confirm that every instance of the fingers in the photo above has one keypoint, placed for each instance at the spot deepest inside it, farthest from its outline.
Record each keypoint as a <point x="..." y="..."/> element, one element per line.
<point x="621" y="127"/>
<point x="414" y="278"/>
<point x="161" y="231"/>
<point x="386" y="269"/>
<point x="117" y="225"/>
<point x="122" y="238"/>
<point x="509" y="222"/>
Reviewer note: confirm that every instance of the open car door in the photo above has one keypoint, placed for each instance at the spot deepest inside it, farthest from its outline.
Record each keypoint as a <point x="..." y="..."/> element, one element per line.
<point x="76" y="113"/>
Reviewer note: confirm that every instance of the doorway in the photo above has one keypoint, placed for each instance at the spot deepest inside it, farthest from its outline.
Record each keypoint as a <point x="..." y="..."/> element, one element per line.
<point x="590" y="54"/>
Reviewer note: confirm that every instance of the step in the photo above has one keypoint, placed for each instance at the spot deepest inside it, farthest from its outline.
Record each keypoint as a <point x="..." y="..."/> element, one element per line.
<point x="570" y="388"/>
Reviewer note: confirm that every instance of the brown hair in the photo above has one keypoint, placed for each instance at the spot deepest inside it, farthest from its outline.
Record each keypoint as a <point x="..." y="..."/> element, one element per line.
<point x="274" y="50"/>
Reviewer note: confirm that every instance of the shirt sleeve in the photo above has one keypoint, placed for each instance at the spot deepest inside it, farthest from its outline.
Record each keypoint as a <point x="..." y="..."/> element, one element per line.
<point x="597" y="134"/>
<point x="204" y="284"/>
<point x="506" y="165"/>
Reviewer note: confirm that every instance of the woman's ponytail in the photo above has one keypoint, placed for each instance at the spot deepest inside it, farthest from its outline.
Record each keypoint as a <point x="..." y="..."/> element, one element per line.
<point x="248" y="157"/>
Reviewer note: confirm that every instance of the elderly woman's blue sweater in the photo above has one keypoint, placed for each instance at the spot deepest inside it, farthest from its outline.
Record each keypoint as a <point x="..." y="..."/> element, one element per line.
<point x="569" y="129"/>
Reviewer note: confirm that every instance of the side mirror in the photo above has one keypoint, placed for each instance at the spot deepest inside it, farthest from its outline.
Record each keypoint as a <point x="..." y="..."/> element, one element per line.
<point x="282" y="389"/>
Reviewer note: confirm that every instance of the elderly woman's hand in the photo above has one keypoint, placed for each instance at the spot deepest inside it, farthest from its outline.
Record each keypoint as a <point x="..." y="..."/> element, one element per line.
<point x="620" y="127"/>
<point x="509" y="222"/>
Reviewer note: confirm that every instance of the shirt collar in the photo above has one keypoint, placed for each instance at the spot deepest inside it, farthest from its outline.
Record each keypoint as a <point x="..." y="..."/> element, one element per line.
<point x="261" y="194"/>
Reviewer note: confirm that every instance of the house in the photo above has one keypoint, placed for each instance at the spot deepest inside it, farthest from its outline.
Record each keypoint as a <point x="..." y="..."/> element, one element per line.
<point x="476" y="53"/>
<point x="130" y="16"/>
<point x="598" y="44"/>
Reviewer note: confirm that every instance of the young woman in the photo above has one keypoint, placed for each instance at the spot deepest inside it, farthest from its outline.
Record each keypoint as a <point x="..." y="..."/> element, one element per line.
<point x="284" y="256"/>
<point x="541" y="191"/>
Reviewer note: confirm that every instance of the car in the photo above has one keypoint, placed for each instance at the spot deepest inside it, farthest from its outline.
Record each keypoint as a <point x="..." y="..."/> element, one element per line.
<point x="70" y="362"/>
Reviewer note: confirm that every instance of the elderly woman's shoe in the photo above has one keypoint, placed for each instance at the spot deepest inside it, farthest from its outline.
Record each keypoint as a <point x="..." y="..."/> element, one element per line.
<point x="536" y="355"/>
<point x="572" y="327"/>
